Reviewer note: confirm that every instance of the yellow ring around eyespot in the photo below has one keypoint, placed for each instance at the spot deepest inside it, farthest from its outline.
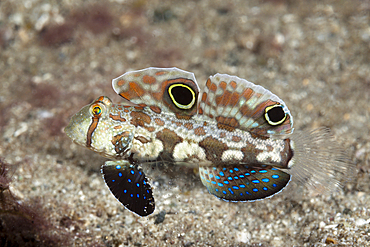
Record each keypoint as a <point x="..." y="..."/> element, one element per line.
<point x="267" y="117"/>
<point x="188" y="106"/>
<point x="96" y="110"/>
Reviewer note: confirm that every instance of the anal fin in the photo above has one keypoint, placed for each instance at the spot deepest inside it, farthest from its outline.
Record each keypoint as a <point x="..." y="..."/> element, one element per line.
<point x="129" y="185"/>
<point x="243" y="182"/>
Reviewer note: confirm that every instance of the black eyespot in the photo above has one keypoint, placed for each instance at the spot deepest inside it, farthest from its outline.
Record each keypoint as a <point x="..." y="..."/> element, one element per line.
<point x="182" y="95"/>
<point x="275" y="114"/>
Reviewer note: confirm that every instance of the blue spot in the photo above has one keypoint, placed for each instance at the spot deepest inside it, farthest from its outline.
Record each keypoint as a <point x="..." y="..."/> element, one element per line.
<point x="222" y="174"/>
<point x="220" y="184"/>
<point x="247" y="193"/>
<point x="216" y="190"/>
<point x="113" y="180"/>
<point x="232" y="192"/>
<point x="256" y="181"/>
<point x="124" y="191"/>
<point x="253" y="171"/>
<point x="208" y="181"/>
<point x="132" y="195"/>
<point x="255" y="190"/>
<point x="118" y="167"/>
<point x="235" y="187"/>
<point x="132" y="172"/>
<point x="236" y="177"/>
<point x="241" y="193"/>
<point x="224" y="169"/>
<point x="217" y="177"/>
<point x="120" y="174"/>
<point x="274" y="185"/>
<point x="147" y="191"/>
<point x="275" y="176"/>
<point x="241" y="176"/>
<point x="137" y="195"/>
<point x="140" y="173"/>
<point x="137" y="184"/>
<point x="224" y="191"/>
<point x="266" y="180"/>
<point x="236" y="169"/>
<point x="230" y="178"/>
<point x="247" y="174"/>
<point x="213" y="182"/>
<point x="129" y="180"/>
<point x="144" y="197"/>
<point x="214" y="168"/>
<point x="264" y="188"/>
<point x="226" y="182"/>
<point x="231" y="171"/>
<point x="274" y="169"/>
<point x="205" y="172"/>
<point x="263" y="171"/>
<point x="210" y="176"/>
<point x="242" y="186"/>
<point x="144" y="182"/>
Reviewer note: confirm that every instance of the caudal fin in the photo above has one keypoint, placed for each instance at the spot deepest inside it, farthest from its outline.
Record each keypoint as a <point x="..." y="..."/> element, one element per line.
<point x="319" y="162"/>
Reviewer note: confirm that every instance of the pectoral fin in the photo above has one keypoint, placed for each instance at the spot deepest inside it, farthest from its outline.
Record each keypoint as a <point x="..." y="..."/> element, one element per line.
<point x="129" y="185"/>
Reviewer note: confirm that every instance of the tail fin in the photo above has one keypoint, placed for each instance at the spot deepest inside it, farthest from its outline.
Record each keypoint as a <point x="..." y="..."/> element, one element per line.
<point x="319" y="162"/>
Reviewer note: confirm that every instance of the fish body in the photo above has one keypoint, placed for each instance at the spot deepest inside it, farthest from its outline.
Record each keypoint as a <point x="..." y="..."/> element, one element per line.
<point x="239" y="134"/>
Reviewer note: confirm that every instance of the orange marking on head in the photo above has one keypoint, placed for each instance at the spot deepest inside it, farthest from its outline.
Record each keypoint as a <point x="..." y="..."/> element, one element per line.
<point x="159" y="122"/>
<point x="233" y="84"/>
<point x="205" y="123"/>
<point x="147" y="79"/>
<point x="199" y="131"/>
<point x="200" y="111"/>
<point x="139" y="118"/>
<point x="121" y="83"/>
<point x="156" y="109"/>
<point x="117" y="118"/>
<point x="117" y="127"/>
<point x="125" y="110"/>
<point x="120" y="108"/>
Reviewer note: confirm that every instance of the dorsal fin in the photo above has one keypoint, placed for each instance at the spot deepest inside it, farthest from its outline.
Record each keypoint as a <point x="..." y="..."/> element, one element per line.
<point x="238" y="103"/>
<point x="164" y="89"/>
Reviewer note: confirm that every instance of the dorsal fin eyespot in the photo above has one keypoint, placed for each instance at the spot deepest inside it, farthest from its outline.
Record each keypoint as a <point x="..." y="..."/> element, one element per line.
<point x="228" y="100"/>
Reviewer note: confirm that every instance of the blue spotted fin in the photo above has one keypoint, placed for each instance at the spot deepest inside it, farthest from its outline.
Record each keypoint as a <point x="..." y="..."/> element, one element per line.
<point x="129" y="185"/>
<point x="243" y="182"/>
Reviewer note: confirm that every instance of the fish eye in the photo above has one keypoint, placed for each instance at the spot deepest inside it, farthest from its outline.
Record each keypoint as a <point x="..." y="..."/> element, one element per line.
<point x="182" y="96"/>
<point x="275" y="114"/>
<point x="96" y="110"/>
